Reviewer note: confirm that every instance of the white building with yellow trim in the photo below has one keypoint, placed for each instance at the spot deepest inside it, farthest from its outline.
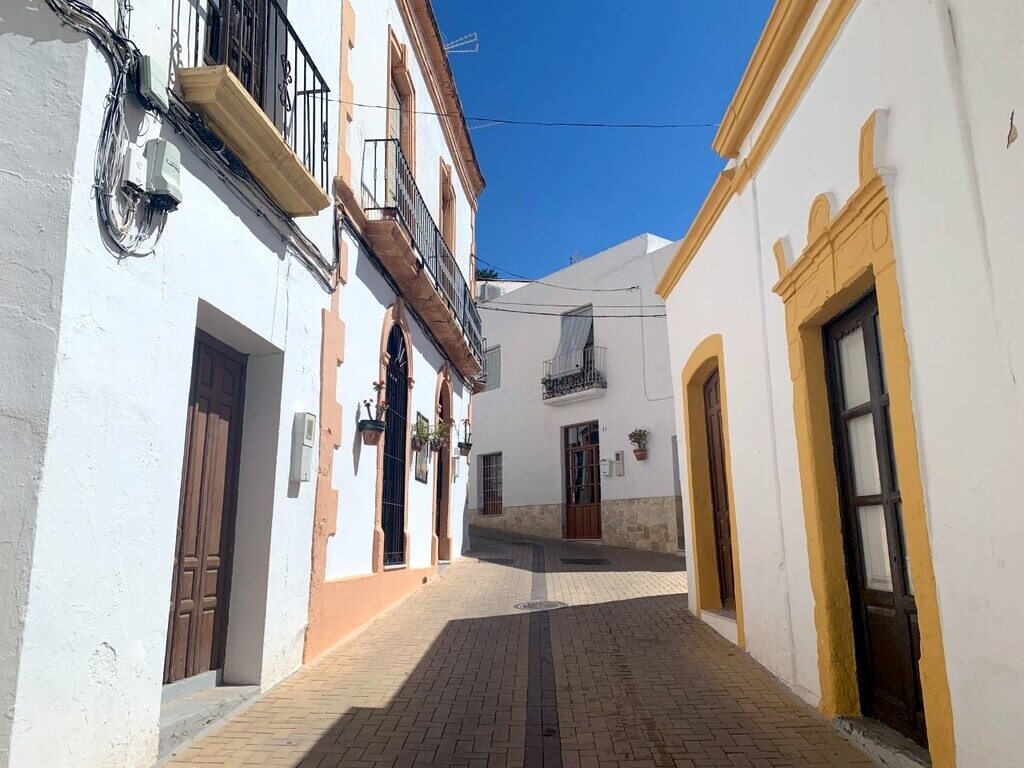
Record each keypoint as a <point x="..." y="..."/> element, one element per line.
<point x="845" y="338"/>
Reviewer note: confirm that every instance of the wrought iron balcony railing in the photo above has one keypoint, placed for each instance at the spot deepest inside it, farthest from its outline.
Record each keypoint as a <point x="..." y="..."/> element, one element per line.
<point x="578" y="372"/>
<point x="390" y="192"/>
<point x="255" y="40"/>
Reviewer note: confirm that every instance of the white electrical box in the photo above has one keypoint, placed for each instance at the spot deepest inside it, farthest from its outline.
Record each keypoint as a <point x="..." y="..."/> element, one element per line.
<point x="163" y="174"/>
<point x="620" y="463"/>
<point x="135" y="169"/>
<point x="303" y="438"/>
<point x="151" y="84"/>
<point x="606" y="467"/>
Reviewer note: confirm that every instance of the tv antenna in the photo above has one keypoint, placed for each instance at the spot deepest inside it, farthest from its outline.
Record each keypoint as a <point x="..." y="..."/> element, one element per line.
<point x="466" y="44"/>
<point x="576" y="258"/>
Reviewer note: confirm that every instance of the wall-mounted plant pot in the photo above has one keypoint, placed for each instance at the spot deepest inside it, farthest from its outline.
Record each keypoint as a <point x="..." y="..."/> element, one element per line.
<point x="640" y="453"/>
<point x="416" y="445"/>
<point x="465" y="448"/>
<point x="371" y="430"/>
<point x="436" y="447"/>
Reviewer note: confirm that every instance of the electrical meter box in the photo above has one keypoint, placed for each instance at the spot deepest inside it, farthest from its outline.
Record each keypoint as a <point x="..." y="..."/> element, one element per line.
<point x="303" y="438"/>
<point x="163" y="174"/>
<point x="151" y="84"/>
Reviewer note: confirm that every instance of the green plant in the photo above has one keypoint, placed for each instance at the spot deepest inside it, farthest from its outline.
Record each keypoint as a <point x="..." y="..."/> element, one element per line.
<point x="638" y="437"/>
<point x="421" y="433"/>
<point x="440" y="434"/>
<point x="486" y="273"/>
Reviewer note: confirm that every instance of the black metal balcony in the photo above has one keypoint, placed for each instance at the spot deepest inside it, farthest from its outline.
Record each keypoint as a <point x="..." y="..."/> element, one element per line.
<point x="390" y="193"/>
<point x="572" y="374"/>
<point x="255" y="40"/>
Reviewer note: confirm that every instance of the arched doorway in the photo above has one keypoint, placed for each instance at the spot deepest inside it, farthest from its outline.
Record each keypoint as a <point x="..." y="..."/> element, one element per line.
<point x="396" y="393"/>
<point x="443" y="478"/>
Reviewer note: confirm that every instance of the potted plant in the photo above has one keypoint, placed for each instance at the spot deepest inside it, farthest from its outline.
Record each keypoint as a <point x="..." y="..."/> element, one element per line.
<point x="638" y="437"/>
<point x="421" y="434"/>
<point x="440" y="435"/>
<point x="466" y="445"/>
<point x="372" y="427"/>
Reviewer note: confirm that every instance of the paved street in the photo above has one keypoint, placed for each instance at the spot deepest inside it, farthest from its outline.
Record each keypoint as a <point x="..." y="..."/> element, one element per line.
<point x="621" y="677"/>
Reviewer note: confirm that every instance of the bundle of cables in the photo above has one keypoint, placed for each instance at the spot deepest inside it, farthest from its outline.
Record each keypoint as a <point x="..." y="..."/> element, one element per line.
<point x="133" y="224"/>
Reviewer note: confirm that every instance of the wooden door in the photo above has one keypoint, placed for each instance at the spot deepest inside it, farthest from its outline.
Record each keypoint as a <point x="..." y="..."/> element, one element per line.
<point x="881" y="591"/>
<point x="206" y="518"/>
<point x="582" y="481"/>
<point x="719" y="491"/>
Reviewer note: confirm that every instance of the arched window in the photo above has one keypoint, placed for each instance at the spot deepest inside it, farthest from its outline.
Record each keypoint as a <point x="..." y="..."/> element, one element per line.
<point x="396" y="392"/>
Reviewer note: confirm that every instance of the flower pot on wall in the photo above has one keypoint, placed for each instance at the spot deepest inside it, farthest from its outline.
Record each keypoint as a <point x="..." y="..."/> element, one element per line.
<point x="640" y="453"/>
<point x="465" y="448"/>
<point x="372" y="430"/>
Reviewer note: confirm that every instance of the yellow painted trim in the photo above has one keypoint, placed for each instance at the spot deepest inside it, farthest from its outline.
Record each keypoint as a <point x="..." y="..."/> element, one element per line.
<point x="740" y="174"/>
<point x="778" y="40"/>
<point x="846" y="256"/>
<point x="806" y="68"/>
<point x="708" y="355"/>
<point x="701" y="227"/>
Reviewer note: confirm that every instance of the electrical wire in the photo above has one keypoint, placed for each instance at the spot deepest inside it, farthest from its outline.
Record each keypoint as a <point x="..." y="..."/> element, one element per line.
<point x="535" y="123"/>
<point x="131" y="221"/>
<point x="552" y="285"/>
<point x="488" y="308"/>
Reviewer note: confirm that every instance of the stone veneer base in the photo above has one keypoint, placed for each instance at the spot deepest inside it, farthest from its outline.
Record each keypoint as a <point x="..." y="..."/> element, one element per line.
<point x="647" y="524"/>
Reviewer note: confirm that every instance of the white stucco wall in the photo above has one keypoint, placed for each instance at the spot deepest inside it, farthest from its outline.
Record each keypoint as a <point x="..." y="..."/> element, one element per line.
<point x="364" y="302"/>
<point x="35" y="183"/>
<point x="513" y="418"/>
<point x="948" y="72"/>
<point x="92" y="663"/>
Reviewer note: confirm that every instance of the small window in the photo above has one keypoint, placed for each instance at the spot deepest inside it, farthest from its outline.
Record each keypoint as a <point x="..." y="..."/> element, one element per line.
<point x="490" y="484"/>
<point x="492" y="368"/>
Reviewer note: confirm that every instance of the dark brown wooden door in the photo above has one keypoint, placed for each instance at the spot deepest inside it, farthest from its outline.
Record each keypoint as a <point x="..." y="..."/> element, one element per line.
<point x="206" y="518"/>
<point x="719" y="491"/>
<point x="881" y="592"/>
<point x="582" y="481"/>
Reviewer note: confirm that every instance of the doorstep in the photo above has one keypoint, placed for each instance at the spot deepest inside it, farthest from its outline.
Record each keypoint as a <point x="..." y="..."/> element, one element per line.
<point x="889" y="748"/>
<point x="191" y="706"/>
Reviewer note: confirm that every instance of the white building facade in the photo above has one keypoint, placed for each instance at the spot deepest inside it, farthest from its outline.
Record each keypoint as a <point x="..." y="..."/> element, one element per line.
<point x="181" y="389"/>
<point x="844" y="333"/>
<point x="387" y="516"/>
<point x="575" y="362"/>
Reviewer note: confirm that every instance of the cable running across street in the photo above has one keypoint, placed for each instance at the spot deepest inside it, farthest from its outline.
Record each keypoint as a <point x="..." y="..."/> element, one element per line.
<point x="536" y="123"/>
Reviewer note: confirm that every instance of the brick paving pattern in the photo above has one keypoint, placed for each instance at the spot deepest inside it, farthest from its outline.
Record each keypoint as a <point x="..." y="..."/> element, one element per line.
<point x="622" y="677"/>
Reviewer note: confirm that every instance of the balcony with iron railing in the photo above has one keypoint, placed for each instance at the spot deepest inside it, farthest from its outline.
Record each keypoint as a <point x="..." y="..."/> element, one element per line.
<point x="578" y="376"/>
<point x="406" y="239"/>
<point x="241" y="65"/>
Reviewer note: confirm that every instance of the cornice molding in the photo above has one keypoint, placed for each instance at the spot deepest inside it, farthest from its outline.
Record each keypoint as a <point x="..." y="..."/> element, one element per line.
<point x="426" y="38"/>
<point x="774" y="48"/>
<point x="703" y="223"/>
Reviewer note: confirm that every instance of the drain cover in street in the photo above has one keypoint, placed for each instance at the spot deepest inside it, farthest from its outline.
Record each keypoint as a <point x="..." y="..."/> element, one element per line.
<point x="540" y="605"/>
<point x="584" y="561"/>
<point x="496" y="560"/>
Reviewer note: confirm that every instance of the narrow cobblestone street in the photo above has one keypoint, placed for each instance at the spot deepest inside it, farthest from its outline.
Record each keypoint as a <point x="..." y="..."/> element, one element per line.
<point x="621" y="677"/>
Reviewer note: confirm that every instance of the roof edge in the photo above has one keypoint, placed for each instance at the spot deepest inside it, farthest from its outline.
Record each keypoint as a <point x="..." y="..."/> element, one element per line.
<point x="781" y="34"/>
<point x="420" y="16"/>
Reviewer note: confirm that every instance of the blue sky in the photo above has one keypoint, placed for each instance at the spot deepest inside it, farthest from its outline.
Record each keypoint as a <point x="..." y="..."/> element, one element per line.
<point x="554" y="191"/>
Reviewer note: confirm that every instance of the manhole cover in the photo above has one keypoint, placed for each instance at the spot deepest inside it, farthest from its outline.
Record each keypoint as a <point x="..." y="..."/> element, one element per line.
<point x="540" y="605"/>
<point x="584" y="561"/>
<point x="496" y="560"/>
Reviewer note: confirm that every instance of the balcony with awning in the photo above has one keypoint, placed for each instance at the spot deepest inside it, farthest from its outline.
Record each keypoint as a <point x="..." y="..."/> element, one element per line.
<point x="578" y="370"/>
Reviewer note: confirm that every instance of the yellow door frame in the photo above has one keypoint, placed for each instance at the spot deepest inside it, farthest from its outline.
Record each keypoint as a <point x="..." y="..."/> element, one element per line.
<point x="846" y="255"/>
<point x="708" y="356"/>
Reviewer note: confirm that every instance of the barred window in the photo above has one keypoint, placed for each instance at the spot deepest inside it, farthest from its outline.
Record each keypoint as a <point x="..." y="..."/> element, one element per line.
<point x="492" y="368"/>
<point x="490" y="484"/>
